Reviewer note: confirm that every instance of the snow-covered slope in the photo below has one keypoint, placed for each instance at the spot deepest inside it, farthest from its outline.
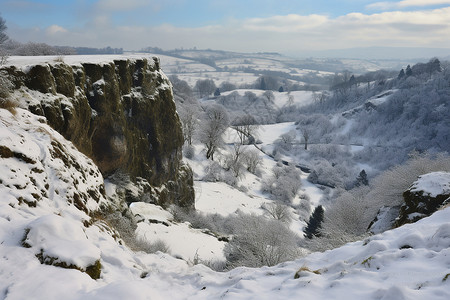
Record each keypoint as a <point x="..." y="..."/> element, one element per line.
<point x="41" y="220"/>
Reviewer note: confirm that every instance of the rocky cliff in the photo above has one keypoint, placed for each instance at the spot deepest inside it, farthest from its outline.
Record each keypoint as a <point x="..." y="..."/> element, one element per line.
<point x="119" y="112"/>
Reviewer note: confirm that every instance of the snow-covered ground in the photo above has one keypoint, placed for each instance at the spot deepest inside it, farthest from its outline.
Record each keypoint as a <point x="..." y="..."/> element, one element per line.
<point x="39" y="218"/>
<point x="411" y="262"/>
<point x="22" y="61"/>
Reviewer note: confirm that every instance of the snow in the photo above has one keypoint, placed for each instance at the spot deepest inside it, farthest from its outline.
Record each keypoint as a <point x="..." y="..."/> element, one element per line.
<point x="411" y="262"/>
<point x="183" y="241"/>
<point x="268" y="134"/>
<point x="433" y="184"/>
<point x="25" y="62"/>
<point x="299" y="98"/>
<point x="150" y="211"/>
<point x="220" y="198"/>
<point x="61" y="238"/>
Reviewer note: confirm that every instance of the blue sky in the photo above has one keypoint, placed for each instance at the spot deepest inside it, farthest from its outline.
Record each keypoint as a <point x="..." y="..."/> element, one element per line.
<point x="237" y="25"/>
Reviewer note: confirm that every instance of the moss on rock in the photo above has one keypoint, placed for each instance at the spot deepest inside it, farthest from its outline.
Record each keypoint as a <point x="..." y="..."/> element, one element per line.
<point x="121" y="114"/>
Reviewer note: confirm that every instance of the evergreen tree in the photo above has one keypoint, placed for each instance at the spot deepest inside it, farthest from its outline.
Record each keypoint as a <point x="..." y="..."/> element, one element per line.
<point x="281" y="89"/>
<point x="401" y="74"/>
<point x="408" y="71"/>
<point x="314" y="223"/>
<point x="352" y="80"/>
<point x="434" y="65"/>
<point x="217" y="92"/>
<point x="362" y="179"/>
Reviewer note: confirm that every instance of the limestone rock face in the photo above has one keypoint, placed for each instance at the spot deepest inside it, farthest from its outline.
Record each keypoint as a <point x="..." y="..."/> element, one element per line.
<point x="424" y="197"/>
<point x="120" y="113"/>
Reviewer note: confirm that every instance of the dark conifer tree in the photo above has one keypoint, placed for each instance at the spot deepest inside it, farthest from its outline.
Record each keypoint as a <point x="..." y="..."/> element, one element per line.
<point x="362" y="179"/>
<point x="352" y="80"/>
<point x="408" y="71"/>
<point x="314" y="223"/>
<point x="401" y="74"/>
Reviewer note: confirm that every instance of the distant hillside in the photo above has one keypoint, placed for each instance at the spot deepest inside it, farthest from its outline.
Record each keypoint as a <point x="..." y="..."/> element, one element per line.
<point x="380" y="53"/>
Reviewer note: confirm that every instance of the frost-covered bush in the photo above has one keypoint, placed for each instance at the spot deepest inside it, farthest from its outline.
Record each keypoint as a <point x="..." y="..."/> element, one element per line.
<point x="387" y="188"/>
<point x="278" y="211"/>
<point x="6" y="87"/>
<point x="253" y="160"/>
<point x="350" y="214"/>
<point x="304" y="207"/>
<point x="234" y="161"/>
<point x="258" y="242"/>
<point x="146" y="246"/>
<point x="214" y="172"/>
<point x="346" y="213"/>
<point x="284" y="183"/>
<point x="325" y="173"/>
<point x="286" y="141"/>
<point x="213" y="222"/>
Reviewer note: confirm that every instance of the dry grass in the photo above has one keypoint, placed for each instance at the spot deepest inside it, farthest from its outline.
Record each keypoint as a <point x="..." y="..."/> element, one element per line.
<point x="9" y="105"/>
<point x="305" y="269"/>
<point x="59" y="59"/>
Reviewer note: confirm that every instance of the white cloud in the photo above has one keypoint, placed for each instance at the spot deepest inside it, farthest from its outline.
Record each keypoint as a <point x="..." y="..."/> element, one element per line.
<point x="55" y="29"/>
<point x="290" y="33"/>
<point x="287" y="23"/>
<point x="406" y="3"/>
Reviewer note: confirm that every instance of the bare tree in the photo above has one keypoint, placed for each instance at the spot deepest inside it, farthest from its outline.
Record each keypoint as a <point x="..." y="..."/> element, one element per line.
<point x="319" y="97"/>
<point x="234" y="161"/>
<point x="246" y="128"/>
<point x="180" y="87"/>
<point x="215" y="122"/>
<point x="284" y="183"/>
<point x="290" y="99"/>
<point x="5" y="84"/>
<point x="205" y="87"/>
<point x="227" y="86"/>
<point x="189" y="121"/>
<point x="3" y="39"/>
<point x="278" y="211"/>
<point x="286" y="140"/>
<point x="252" y="160"/>
<point x="306" y="134"/>
<point x="269" y="96"/>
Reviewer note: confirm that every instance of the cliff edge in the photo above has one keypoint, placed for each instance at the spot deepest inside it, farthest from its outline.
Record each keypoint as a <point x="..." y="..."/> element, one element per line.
<point x="120" y="112"/>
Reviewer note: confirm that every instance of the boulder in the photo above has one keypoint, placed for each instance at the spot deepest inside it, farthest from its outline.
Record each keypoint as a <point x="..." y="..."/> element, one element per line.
<point x="425" y="196"/>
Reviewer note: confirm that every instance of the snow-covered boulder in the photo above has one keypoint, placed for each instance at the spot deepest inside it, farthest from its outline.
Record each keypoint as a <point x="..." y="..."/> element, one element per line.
<point x="384" y="219"/>
<point x="428" y="193"/>
<point x="62" y="242"/>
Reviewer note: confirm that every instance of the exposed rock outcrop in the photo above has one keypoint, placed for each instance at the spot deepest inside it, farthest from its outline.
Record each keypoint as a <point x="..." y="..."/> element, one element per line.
<point x="120" y="113"/>
<point x="424" y="197"/>
<point x="54" y="189"/>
